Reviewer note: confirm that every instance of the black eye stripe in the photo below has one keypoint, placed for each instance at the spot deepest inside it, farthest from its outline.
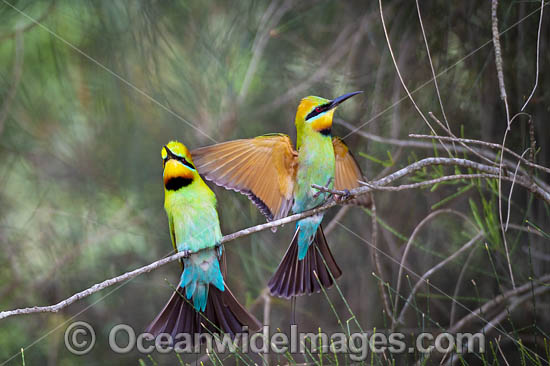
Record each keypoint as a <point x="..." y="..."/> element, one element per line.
<point x="318" y="110"/>
<point x="180" y="159"/>
<point x="186" y="163"/>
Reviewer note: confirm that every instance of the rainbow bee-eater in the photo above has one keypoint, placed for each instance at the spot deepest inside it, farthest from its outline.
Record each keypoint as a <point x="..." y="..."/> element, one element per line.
<point x="277" y="178"/>
<point x="202" y="299"/>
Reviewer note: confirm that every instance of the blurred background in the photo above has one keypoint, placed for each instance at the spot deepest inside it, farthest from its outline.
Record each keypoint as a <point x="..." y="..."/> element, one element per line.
<point x="90" y="94"/>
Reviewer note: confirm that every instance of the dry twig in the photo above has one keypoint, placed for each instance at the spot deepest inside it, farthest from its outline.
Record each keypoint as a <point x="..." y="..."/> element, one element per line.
<point x="409" y="244"/>
<point x="434" y="269"/>
<point x="248" y="231"/>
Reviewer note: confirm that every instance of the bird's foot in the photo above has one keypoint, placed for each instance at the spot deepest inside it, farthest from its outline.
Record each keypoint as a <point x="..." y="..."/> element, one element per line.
<point x="346" y="196"/>
<point x="186" y="253"/>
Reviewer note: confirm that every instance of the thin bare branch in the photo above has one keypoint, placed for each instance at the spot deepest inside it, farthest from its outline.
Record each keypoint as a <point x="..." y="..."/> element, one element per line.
<point x="128" y="275"/>
<point x="432" y="67"/>
<point x="538" y="58"/>
<point x="500" y="75"/>
<point x="490" y="145"/>
<point x="431" y="182"/>
<point x="511" y="191"/>
<point x="422" y="145"/>
<point x="399" y="72"/>
<point x="501" y="352"/>
<point x="507" y="296"/>
<point x="432" y="270"/>
<point x="498" y="57"/>
<point x="416" y="230"/>
<point x="248" y="231"/>
<point x="29" y="26"/>
<point x="339" y="216"/>
<point x="492" y="171"/>
<point x="267" y="321"/>
<point x="377" y="265"/>
<point x="458" y="283"/>
<point x="514" y="302"/>
<point x="424" y="84"/>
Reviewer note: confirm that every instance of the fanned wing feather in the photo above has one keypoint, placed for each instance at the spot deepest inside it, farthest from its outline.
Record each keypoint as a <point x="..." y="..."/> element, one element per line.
<point x="347" y="171"/>
<point x="263" y="168"/>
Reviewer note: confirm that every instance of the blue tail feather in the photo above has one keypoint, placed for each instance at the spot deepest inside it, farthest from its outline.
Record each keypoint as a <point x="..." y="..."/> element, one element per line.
<point x="308" y="228"/>
<point x="201" y="269"/>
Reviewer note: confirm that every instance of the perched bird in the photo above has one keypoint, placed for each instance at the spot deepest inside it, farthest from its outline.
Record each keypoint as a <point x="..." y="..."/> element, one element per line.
<point x="202" y="301"/>
<point x="278" y="178"/>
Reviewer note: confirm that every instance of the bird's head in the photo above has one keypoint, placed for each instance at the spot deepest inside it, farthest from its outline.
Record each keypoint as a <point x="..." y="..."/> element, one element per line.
<point x="317" y="113"/>
<point x="179" y="170"/>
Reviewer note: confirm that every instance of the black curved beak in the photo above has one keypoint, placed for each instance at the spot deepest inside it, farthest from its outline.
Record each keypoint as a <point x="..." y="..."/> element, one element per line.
<point x="337" y="101"/>
<point x="170" y="155"/>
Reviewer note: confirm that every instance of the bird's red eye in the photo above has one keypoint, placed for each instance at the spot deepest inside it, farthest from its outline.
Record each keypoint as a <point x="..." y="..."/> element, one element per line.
<point x="317" y="109"/>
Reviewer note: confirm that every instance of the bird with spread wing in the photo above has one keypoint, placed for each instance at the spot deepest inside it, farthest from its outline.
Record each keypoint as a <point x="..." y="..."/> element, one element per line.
<point x="279" y="178"/>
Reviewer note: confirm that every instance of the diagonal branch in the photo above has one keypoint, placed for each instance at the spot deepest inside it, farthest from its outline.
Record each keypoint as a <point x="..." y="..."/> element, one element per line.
<point x="432" y="270"/>
<point x="374" y="185"/>
<point x="128" y="275"/>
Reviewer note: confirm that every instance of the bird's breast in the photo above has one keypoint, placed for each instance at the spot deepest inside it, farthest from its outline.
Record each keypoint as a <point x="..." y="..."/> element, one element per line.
<point x="316" y="166"/>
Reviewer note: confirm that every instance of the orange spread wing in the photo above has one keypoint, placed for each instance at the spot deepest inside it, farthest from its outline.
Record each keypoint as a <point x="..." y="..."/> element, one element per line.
<point x="347" y="171"/>
<point x="263" y="168"/>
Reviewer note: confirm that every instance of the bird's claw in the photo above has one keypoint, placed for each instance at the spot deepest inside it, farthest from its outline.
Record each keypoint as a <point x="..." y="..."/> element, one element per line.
<point x="186" y="254"/>
<point x="347" y="195"/>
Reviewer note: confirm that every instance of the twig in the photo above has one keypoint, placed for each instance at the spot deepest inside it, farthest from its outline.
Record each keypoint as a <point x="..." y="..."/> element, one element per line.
<point x="531" y="186"/>
<point x="501" y="352"/>
<point x="399" y="73"/>
<point x="431" y="182"/>
<point x="429" y="146"/>
<point x="511" y="191"/>
<point x="29" y="26"/>
<point x="424" y="84"/>
<point x="511" y="297"/>
<point x="376" y="260"/>
<point x="538" y="57"/>
<point x="450" y="133"/>
<point x="339" y="216"/>
<point x="490" y="145"/>
<point x="409" y="244"/>
<point x="457" y="287"/>
<point x="514" y="302"/>
<point x="432" y="68"/>
<point x="498" y="299"/>
<point x="500" y="75"/>
<point x="267" y="321"/>
<point x="508" y="295"/>
<point x="383" y="140"/>
<point x="354" y="192"/>
<point x="498" y="57"/>
<point x="128" y="275"/>
<point x="434" y="269"/>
